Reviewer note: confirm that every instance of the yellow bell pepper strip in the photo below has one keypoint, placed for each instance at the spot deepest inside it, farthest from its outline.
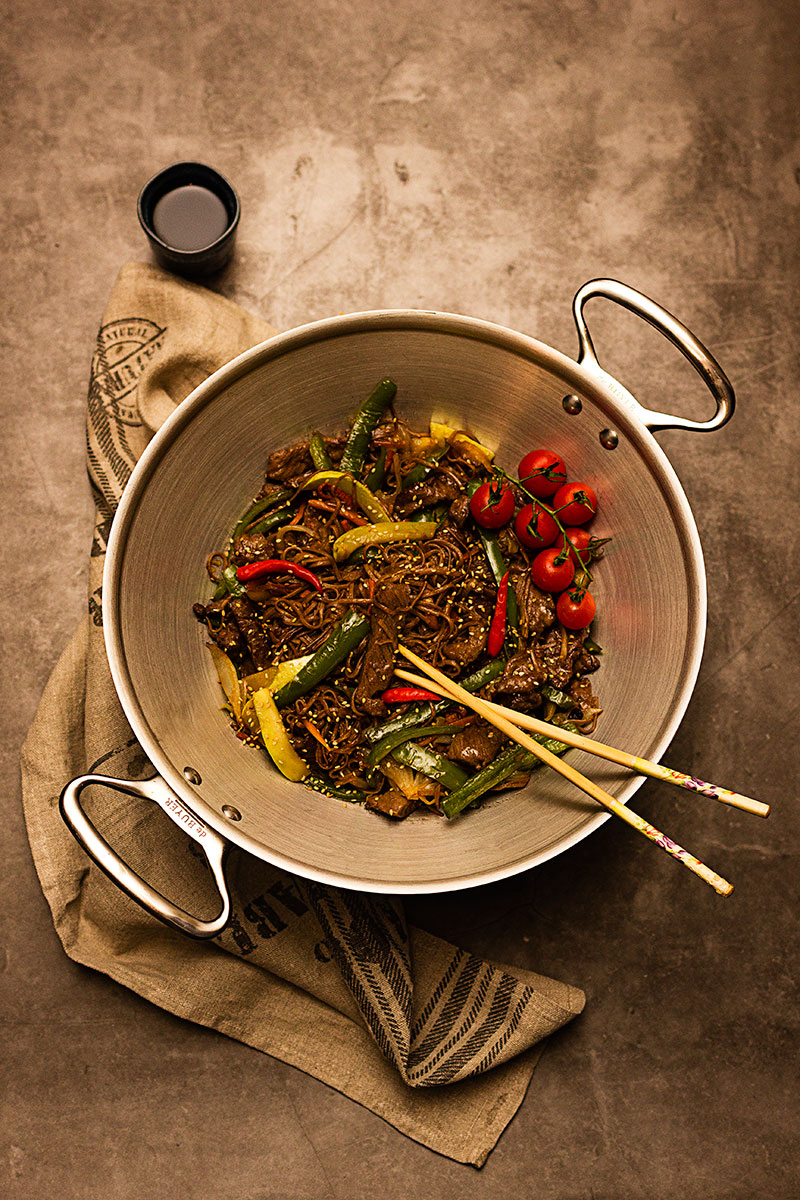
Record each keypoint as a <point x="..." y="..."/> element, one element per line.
<point x="229" y="679"/>
<point x="276" y="739"/>
<point x="364" y="498"/>
<point x="379" y="535"/>
<point x="364" y="425"/>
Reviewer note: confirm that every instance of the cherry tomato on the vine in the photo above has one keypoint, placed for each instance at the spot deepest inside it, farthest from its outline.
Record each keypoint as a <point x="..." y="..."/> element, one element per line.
<point x="535" y="528"/>
<point x="576" y="608"/>
<point x="575" y="503"/>
<point x="492" y="504"/>
<point x="542" y="473"/>
<point x="579" y="539"/>
<point x="549" y="574"/>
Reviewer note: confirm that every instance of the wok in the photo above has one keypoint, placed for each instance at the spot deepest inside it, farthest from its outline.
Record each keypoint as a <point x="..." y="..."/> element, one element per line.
<point x="201" y="470"/>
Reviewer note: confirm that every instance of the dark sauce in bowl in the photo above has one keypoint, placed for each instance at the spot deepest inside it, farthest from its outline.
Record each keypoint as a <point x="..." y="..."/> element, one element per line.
<point x="190" y="217"/>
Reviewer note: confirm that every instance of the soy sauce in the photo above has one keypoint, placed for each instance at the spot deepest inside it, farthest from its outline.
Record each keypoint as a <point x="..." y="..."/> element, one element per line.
<point x="190" y="217"/>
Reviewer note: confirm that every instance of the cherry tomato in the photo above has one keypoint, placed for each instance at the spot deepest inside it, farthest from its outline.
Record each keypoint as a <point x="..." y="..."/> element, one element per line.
<point x="543" y="530"/>
<point x="575" y="503"/>
<point x="579" y="539"/>
<point x="542" y="472"/>
<point x="493" y="504"/>
<point x="549" y="575"/>
<point x="576" y="609"/>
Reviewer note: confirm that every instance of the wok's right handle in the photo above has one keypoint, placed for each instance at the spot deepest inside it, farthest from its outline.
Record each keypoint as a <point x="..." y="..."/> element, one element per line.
<point x="214" y="847"/>
<point x="690" y="347"/>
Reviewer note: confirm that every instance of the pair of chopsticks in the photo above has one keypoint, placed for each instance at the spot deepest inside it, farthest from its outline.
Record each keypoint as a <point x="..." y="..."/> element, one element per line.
<point x="510" y="723"/>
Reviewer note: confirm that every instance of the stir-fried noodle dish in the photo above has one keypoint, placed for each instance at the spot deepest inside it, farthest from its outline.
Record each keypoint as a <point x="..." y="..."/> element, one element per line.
<point x="384" y="536"/>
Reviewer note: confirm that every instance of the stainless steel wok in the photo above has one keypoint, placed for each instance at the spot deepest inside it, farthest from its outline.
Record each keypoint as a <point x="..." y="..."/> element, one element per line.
<point x="204" y="465"/>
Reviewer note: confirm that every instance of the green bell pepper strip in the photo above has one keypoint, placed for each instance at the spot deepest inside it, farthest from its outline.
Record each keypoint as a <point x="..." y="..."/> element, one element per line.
<point x="351" y="630"/>
<point x="433" y="765"/>
<point x="379" y="535"/>
<point x="364" y="425"/>
<point x="230" y="582"/>
<point x="422" y="469"/>
<point x="319" y="455"/>
<point x="510" y="760"/>
<point x="560" y="699"/>
<point x="366" y="501"/>
<point x="377" y="473"/>
<point x="419" y="714"/>
<point x="259" y="507"/>
<point x="389" y="743"/>
<point x="318" y="783"/>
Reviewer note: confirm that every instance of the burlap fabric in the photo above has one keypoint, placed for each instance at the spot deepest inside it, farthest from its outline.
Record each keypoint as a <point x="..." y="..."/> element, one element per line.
<point x="331" y="981"/>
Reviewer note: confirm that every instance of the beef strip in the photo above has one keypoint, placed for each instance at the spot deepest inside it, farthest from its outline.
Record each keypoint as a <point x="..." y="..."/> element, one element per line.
<point x="537" y="609"/>
<point x="459" y="511"/>
<point x="392" y="804"/>
<point x="391" y="600"/>
<point x="560" y="669"/>
<point x="257" y="641"/>
<point x="469" y="643"/>
<point x="476" y="745"/>
<point x="285" y="465"/>
<point x="436" y="489"/>
<point x="249" y="548"/>
<point x="586" y="662"/>
<point x="226" y="633"/>
<point x="585" y="699"/>
<point x="523" y="674"/>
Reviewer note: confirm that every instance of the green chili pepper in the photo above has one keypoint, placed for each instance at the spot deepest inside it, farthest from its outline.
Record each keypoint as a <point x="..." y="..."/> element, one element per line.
<point x="258" y="507"/>
<point x="389" y="743"/>
<point x="344" y="638"/>
<point x="319" y="455"/>
<point x="364" y="424"/>
<point x="378" y="472"/>
<point x="434" y="765"/>
<point x="508" y="762"/>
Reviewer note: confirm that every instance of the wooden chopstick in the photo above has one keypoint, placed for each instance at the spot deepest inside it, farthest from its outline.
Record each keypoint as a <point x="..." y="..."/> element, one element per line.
<point x="642" y="766"/>
<point x="597" y="793"/>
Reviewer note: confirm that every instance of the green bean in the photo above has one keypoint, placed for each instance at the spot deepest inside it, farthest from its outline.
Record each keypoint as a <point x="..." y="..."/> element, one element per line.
<point x="435" y="766"/>
<point x="378" y="472"/>
<point x="352" y="629"/>
<point x="364" y="423"/>
<point x="514" y="758"/>
<point x="392" y="740"/>
<point x="319" y="455"/>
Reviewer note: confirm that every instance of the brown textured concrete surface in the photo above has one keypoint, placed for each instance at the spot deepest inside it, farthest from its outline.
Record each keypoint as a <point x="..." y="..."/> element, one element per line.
<point x="484" y="157"/>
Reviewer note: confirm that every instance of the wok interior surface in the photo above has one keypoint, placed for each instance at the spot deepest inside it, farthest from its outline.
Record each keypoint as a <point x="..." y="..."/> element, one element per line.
<point x="208" y="463"/>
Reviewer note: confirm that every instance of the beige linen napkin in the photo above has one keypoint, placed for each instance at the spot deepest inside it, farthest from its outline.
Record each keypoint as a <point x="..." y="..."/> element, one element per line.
<point x="331" y="981"/>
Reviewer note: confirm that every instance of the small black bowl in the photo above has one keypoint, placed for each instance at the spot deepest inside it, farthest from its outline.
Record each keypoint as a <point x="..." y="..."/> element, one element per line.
<point x="202" y="260"/>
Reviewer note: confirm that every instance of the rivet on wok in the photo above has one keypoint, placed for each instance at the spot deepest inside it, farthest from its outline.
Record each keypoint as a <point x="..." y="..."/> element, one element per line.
<point x="572" y="405"/>
<point x="609" y="439"/>
<point x="231" y="813"/>
<point x="191" y="776"/>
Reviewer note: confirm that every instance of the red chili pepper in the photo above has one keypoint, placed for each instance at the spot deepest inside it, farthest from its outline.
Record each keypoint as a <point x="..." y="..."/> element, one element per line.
<point x="497" y="629"/>
<point x="404" y="695"/>
<point x="273" y="566"/>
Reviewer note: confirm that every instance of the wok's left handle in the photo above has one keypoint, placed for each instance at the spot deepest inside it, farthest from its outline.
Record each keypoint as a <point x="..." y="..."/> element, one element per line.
<point x="690" y="347"/>
<point x="213" y="846"/>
